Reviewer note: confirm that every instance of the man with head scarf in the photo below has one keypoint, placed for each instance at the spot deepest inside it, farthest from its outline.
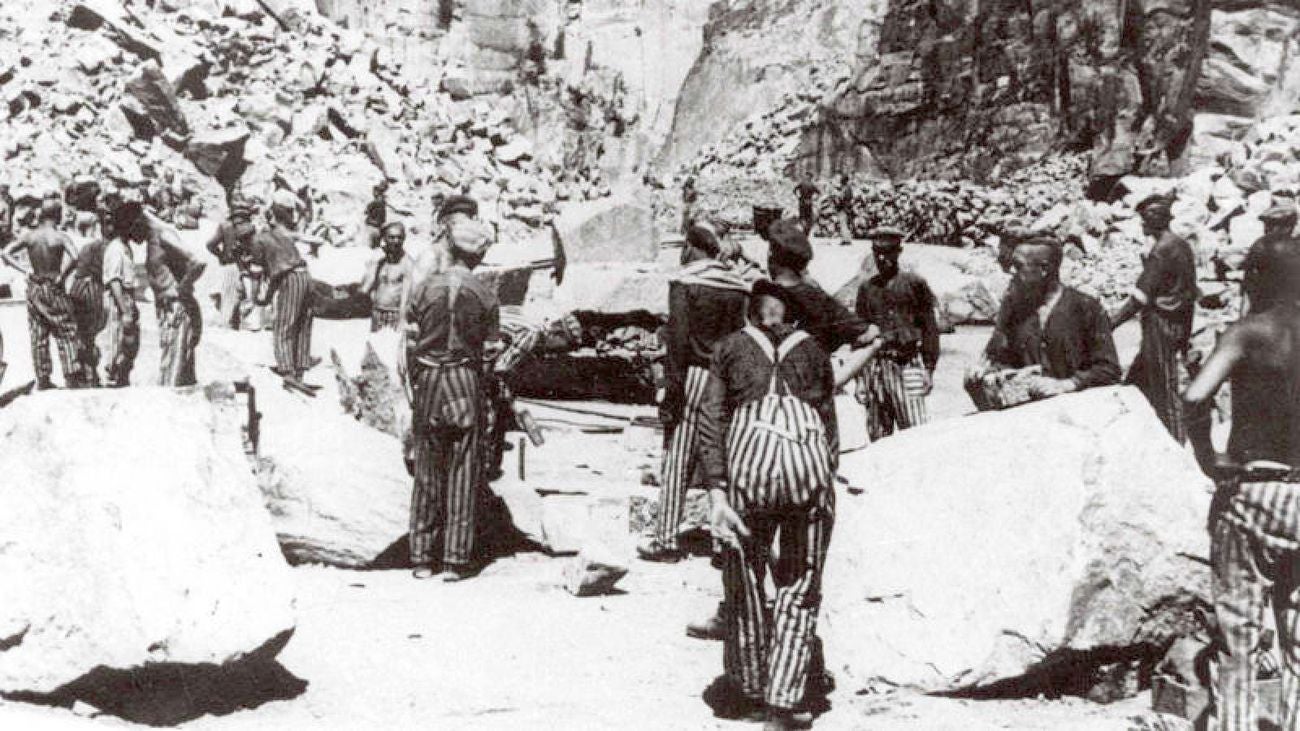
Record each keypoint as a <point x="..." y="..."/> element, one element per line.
<point x="706" y="302"/>
<point x="49" y="309"/>
<point x="451" y="321"/>
<point x="1165" y="295"/>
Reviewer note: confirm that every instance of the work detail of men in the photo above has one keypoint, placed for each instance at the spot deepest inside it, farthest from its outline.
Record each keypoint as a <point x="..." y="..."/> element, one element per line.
<point x="87" y="294"/>
<point x="706" y="302"/>
<point x="452" y="318"/>
<point x="1057" y="328"/>
<point x="119" y="279"/>
<point x="901" y="304"/>
<point x="769" y="442"/>
<point x="385" y="279"/>
<point x="1165" y="296"/>
<point x="49" y="309"/>
<point x="172" y="274"/>
<point x="1255" y="515"/>
<point x="284" y="277"/>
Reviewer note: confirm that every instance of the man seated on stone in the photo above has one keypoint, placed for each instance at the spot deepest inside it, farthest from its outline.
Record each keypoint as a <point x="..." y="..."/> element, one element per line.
<point x="1057" y="328"/>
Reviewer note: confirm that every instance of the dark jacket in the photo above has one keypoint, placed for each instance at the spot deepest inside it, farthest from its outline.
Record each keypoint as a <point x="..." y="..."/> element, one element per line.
<point x="1074" y="343"/>
<point x="475" y="311"/>
<point x="1167" y="285"/>
<point x="699" y="315"/>
<point x="741" y="372"/>
<point x="903" y="308"/>
<point x="830" y="322"/>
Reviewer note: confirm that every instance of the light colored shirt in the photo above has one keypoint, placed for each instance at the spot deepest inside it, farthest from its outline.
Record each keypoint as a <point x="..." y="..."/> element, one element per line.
<point x="118" y="265"/>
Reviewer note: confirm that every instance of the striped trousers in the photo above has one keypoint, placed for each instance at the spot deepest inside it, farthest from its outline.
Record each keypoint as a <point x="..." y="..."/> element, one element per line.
<point x="50" y="313"/>
<point x="769" y="649"/>
<point x="447" y="425"/>
<point x="88" y="306"/>
<point x="179" y="330"/>
<point x="383" y="319"/>
<point x="681" y="459"/>
<point x="1255" y="559"/>
<point x="123" y="344"/>
<point x="293" y="322"/>
<point x="1160" y="371"/>
<point x="890" y="405"/>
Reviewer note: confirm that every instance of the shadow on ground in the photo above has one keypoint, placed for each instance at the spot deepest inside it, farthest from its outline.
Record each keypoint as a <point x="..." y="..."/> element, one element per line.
<point x="166" y="694"/>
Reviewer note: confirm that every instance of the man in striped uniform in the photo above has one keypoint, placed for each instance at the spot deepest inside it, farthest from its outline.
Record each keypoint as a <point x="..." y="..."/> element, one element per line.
<point x="88" y="305"/>
<point x="225" y="241"/>
<point x="1165" y="296"/>
<point x="769" y="652"/>
<point x="1255" y="515"/>
<point x="706" y="302"/>
<point x="49" y="310"/>
<point x="119" y="279"/>
<point x="385" y="278"/>
<point x="172" y="273"/>
<point x="285" y="277"/>
<point x="901" y="304"/>
<point x="451" y="321"/>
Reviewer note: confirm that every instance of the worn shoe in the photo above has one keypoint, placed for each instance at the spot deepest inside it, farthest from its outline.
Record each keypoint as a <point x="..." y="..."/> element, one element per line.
<point x="44" y="384"/>
<point x="460" y="572"/>
<point x="783" y="719"/>
<point x="426" y="571"/>
<point x="653" y="550"/>
<point x="713" y="628"/>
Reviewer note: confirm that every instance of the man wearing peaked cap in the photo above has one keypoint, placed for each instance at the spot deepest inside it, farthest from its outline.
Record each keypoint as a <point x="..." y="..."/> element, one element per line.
<point x="1165" y="296"/>
<point x="812" y="309"/>
<point x="461" y="204"/>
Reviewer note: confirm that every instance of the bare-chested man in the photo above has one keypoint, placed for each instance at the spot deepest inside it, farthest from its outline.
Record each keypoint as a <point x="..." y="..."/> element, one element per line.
<point x="49" y="309"/>
<point x="1255" y="516"/>
<point x="386" y="278"/>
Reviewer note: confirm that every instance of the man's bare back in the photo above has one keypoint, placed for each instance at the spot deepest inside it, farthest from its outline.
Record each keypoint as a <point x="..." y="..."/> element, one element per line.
<point x="46" y="250"/>
<point x="1266" y="387"/>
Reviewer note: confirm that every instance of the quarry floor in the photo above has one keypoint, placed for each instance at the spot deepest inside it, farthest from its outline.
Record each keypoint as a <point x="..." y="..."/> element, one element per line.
<point x="512" y="649"/>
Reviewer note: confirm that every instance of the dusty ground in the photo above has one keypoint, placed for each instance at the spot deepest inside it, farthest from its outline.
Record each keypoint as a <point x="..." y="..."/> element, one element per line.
<point x="512" y="649"/>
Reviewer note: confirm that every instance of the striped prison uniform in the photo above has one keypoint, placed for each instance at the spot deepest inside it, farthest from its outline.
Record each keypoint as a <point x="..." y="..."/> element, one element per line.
<point x="88" y="306"/>
<point x="1255" y="558"/>
<point x="769" y="652"/>
<point x="1167" y="291"/>
<point x="293" y="321"/>
<point x="455" y="315"/>
<point x="384" y="319"/>
<point x="680" y="459"/>
<point x="892" y="403"/>
<point x="179" y="331"/>
<point x="50" y="313"/>
<point x="448" y="426"/>
<point x="123" y="339"/>
<point x="706" y="303"/>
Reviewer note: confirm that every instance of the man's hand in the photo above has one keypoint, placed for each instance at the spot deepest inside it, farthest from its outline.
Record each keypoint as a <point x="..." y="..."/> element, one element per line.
<point x="724" y="523"/>
<point x="1045" y="387"/>
<point x="1216" y="465"/>
<point x="870" y="336"/>
<point x="929" y="382"/>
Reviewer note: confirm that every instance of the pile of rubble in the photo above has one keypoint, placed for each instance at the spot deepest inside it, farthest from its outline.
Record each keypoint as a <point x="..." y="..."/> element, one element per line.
<point x="247" y="96"/>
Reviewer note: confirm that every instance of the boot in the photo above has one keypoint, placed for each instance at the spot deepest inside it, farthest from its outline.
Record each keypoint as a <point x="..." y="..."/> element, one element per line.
<point x="784" y="719"/>
<point x="654" y="550"/>
<point x="713" y="628"/>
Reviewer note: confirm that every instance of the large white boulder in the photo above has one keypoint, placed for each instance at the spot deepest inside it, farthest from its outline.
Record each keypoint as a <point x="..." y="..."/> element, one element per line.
<point x="607" y="230"/>
<point x="988" y="547"/>
<point x="133" y="533"/>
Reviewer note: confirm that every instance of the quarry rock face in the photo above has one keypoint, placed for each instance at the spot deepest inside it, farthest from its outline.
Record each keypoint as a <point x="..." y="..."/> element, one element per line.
<point x="151" y="547"/>
<point x="1050" y="531"/>
<point x="610" y="230"/>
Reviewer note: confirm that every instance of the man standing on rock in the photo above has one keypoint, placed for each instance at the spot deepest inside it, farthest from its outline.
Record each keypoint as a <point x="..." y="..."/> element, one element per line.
<point x="706" y="302"/>
<point x="377" y="213"/>
<point x="119" y="278"/>
<point x="385" y="279"/>
<point x="49" y="310"/>
<point x="1255" y="515"/>
<point x="769" y="445"/>
<point x="172" y="274"/>
<point x="451" y="319"/>
<point x="844" y="202"/>
<point x="902" y="305"/>
<point x="88" y="305"/>
<point x="284" y="276"/>
<point x="807" y="191"/>
<point x="1165" y="296"/>
<point x="1057" y="328"/>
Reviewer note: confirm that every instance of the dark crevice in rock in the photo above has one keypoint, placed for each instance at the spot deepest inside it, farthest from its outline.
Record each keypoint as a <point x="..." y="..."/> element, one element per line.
<point x="14" y="640"/>
<point x="166" y="694"/>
